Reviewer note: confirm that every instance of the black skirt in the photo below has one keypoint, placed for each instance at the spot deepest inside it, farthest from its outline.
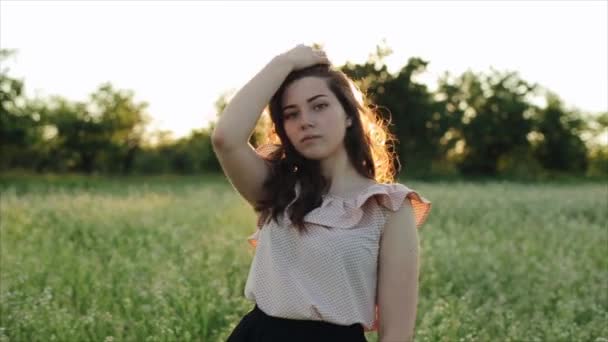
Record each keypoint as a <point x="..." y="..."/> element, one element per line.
<point x="257" y="326"/>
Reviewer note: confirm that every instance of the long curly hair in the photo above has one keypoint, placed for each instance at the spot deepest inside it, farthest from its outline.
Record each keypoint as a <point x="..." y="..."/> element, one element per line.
<point x="368" y="142"/>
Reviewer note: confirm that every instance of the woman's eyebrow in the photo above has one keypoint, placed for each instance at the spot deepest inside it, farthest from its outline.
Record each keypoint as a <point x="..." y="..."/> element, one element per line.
<point x="309" y="100"/>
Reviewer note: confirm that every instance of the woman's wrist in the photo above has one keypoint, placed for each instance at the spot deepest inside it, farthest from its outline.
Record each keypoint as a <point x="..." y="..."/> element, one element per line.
<point x="283" y="61"/>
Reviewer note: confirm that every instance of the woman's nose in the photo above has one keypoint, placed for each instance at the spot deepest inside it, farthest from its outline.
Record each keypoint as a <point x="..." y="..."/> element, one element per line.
<point x="306" y="120"/>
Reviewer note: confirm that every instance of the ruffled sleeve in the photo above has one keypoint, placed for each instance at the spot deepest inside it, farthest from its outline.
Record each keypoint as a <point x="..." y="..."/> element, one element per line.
<point x="394" y="196"/>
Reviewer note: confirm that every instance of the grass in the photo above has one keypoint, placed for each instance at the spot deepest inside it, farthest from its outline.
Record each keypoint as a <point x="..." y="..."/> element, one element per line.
<point x="166" y="259"/>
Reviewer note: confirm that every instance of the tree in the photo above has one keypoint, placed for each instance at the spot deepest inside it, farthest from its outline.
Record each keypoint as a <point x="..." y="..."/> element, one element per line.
<point x="493" y="118"/>
<point x="123" y="122"/>
<point x="560" y="146"/>
<point x="21" y="123"/>
<point x="101" y="135"/>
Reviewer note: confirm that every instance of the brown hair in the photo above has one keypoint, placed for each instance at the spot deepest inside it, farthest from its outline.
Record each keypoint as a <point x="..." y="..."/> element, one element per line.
<point x="366" y="141"/>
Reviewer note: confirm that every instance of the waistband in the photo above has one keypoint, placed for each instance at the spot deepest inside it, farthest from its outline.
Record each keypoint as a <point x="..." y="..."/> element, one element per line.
<point x="300" y="323"/>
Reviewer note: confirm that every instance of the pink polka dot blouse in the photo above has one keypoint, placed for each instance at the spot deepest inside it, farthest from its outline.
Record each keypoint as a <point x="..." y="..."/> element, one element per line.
<point x="327" y="274"/>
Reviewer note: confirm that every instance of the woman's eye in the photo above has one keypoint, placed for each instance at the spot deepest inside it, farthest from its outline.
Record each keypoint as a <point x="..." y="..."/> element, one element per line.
<point x="320" y="106"/>
<point x="289" y="115"/>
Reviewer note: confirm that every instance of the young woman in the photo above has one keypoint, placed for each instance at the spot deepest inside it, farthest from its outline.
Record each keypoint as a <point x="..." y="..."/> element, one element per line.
<point x="336" y="242"/>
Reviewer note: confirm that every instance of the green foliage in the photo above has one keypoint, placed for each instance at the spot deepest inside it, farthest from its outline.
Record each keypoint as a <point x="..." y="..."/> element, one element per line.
<point x="166" y="259"/>
<point x="489" y="117"/>
<point x="560" y="146"/>
<point x="21" y="123"/>
<point x="101" y="135"/>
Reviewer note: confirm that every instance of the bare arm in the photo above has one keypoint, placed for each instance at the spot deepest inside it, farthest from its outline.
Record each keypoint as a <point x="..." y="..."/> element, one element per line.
<point x="240" y="116"/>
<point x="398" y="277"/>
<point x="242" y="165"/>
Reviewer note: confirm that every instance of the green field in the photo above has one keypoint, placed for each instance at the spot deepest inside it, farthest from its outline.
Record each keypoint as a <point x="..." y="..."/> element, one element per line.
<point x="166" y="259"/>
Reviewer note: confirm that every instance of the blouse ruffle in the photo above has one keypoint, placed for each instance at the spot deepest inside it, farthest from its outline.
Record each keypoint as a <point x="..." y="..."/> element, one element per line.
<point x="346" y="213"/>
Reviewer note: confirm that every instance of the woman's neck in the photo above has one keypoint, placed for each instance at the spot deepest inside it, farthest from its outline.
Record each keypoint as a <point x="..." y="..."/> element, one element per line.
<point x="343" y="178"/>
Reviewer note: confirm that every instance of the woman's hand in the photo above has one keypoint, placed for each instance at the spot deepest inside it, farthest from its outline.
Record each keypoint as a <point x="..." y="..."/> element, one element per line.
<point x="303" y="56"/>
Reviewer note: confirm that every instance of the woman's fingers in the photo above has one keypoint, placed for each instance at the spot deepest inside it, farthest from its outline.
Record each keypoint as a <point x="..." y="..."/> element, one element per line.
<point x="322" y="56"/>
<point x="303" y="56"/>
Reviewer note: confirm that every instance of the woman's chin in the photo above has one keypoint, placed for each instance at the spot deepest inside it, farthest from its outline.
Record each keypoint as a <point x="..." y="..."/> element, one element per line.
<point x="313" y="154"/>
<point x="316" y="152"/>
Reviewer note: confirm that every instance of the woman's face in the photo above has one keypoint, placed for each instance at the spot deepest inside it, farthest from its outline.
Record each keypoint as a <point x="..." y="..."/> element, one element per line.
<point x="310" y="108"/>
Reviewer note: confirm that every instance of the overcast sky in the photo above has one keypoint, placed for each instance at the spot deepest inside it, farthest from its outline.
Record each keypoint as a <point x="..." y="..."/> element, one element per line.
<point x="180" y="56"/>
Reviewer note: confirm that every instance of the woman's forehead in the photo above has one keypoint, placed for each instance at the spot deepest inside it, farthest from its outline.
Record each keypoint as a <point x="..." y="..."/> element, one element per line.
<point x="305" y="88"/>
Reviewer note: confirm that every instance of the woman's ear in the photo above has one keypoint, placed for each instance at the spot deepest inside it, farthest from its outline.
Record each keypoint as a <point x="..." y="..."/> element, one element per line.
<point x="349" y="122"/>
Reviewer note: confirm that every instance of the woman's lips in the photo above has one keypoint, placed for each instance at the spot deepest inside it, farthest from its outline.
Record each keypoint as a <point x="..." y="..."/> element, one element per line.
<point x="305" y="140"/>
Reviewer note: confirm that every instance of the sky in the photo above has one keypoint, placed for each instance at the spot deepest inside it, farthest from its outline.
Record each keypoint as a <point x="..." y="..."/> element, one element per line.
<point x="179" y="57"/>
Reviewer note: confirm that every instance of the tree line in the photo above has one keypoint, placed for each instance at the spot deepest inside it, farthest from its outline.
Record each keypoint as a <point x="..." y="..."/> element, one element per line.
<point x="474" y="124"/>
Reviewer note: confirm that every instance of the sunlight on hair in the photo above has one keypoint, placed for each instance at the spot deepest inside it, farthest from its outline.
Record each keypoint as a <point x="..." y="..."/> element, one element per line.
<point x="376" y="130"/>
<point x="356" y="92"/>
